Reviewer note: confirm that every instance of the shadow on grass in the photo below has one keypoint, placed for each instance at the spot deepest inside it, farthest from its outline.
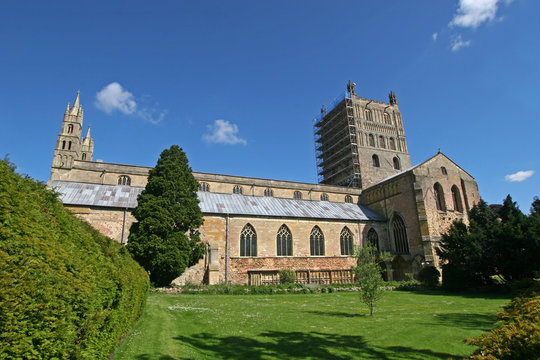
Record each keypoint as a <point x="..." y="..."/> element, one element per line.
<point x="299" y="345"/>
<point x="149" y="357"/>
<point x="483" y="322"/>
<point x="336" y="313"/>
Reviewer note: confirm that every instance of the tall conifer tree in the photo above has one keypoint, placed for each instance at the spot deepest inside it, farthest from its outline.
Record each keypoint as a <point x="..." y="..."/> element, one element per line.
<point x="165" y="239"/>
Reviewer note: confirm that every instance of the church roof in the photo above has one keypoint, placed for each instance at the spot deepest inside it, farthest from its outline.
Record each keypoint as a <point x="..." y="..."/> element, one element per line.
<point x="82" y="194"/>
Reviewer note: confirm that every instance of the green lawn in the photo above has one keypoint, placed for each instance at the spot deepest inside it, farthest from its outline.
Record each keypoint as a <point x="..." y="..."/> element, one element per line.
<point x="406" y="325"/>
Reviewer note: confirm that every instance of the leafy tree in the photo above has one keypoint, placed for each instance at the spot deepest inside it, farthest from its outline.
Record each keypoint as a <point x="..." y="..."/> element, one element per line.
<point x="368" y="273"/>
<point x="504" y="244"/>
<point x="165" y="239"/>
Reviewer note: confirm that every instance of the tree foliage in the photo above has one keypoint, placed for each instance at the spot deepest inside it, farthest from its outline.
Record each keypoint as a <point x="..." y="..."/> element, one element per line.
<point x="165" y="239"/>
<point x="66" y="290"/>
<point x="505" y="243"/>
<point x="368" y="273"/>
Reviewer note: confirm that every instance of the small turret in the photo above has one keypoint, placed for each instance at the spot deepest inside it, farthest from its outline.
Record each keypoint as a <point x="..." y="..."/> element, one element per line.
<point x="392" y="98"/>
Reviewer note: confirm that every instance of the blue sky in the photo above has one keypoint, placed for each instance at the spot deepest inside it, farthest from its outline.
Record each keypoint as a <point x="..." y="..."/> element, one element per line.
<point x="236" y="84"/>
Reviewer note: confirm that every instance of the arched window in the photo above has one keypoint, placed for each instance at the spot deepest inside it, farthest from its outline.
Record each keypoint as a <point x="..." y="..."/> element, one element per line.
<point x="248" y="241"/>
<point x="371" y="140"/>
<point x="456" y="197"/>
<point x="400" y="235"/>
<point x="70" y="129"/>
<point x="439" y="197"/>
<point x="84" y="156"/>
<point x="124" y="180"/>
<point x="63" y="144"/>
<point x="69" y="145"/>
<point x="297" y="195"/>
<point x="376" y="162"/>
<point x="324" y="197"/>
<point x="443" y="170"/>
<point x="205" y="187"/>
<point x="284" y="241"/>
<point x="237" y="189"/>
<point x="373" y="238"/>
<point x="397" y="165"/>
<point x="346" y="241"/>
<point x="387" y="118"/>
<point x="368" y="115"/>
<point x="348" y="199"/>
<point x="392" y="143"/>
<point x="382" y="143"/>
<point x="268" y="192"/>
<point x="316" y="242"/>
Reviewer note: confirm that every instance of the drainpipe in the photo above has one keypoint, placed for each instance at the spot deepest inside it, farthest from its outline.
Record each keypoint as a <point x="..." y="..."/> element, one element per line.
<point x="227" y="249"/>
<point x="123" y="227"/>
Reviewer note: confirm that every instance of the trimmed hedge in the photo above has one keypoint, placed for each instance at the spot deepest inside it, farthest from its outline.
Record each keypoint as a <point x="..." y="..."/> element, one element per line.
<point x="67" y="292"/>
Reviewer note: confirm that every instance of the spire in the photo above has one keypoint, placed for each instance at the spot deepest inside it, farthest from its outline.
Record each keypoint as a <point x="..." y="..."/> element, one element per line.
<point x="87" y="138"/>
<point x="75" y="108"/>
<point x="392" y="98"/>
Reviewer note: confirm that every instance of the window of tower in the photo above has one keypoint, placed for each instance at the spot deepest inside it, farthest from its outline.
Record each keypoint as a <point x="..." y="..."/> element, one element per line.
<point x="63" y="144"/>
<point x="84" y="156"/>
<point x="69" y="145"/>
<point x="124" y="180"/>
<point x="368" y="115"/>
<point x="397" y="165"/>
<point x="376" y="162"/>
<point x="443" y="170"/>
<point x="371" y="140"/>
<point x="70" y="129"/>
<point x="392" y="143"/>
<point x="382" y="143"/>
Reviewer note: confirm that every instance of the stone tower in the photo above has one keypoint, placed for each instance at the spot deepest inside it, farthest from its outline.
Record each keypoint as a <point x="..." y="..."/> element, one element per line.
<point x="69" y="146"/>
<point x="358" y="141"/>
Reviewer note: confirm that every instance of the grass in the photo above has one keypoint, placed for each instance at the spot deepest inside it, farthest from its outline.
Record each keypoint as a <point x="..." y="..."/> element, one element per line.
<point x="406" y="325"/>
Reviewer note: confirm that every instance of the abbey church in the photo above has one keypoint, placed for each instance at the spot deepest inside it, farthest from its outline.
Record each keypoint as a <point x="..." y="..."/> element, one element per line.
<point x="368" y="192"/>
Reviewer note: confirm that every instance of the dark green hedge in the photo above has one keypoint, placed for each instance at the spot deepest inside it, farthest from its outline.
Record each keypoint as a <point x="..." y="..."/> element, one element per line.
<point x="67" y="292"/>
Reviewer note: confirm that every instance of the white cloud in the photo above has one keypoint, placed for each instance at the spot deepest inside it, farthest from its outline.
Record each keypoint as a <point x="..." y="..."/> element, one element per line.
<point x="223" y="132"/>
<point x="519" y="176"/>
<point x="114" y="97"/>
<point x="458" y="43"/>
<point x="472" y="13"/>
<point x="435" y="36"/>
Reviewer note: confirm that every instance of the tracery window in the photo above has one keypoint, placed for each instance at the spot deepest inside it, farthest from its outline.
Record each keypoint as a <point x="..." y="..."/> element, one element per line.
<point x="124" y="180"/>
<point x="297" y="195"/>
<point x="382" y="143"/>
<point x="237" y="189"/>
<point x="392" y="143"/>
<point x="348" y="199"/>
<point x="397" y="165"/>
<point x="456" y="197"/>
<point x="316" y="242"/>
<point x="443" y="170"/>
<point x="376" y="162"/>
<point x="373" y="238"/>
<point x="324" y="197"/>
<point x="400" y="235"/>
<point x="248" y="241"/>
<point x="268" y="192"/>
<point x="205" y="187"/>
<point x="346" y="241"/>
<point x="70" y="128"/>
<point x="371" y="140"/>
<point x="284" y="241"/>
<point x="439" y="197"/>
